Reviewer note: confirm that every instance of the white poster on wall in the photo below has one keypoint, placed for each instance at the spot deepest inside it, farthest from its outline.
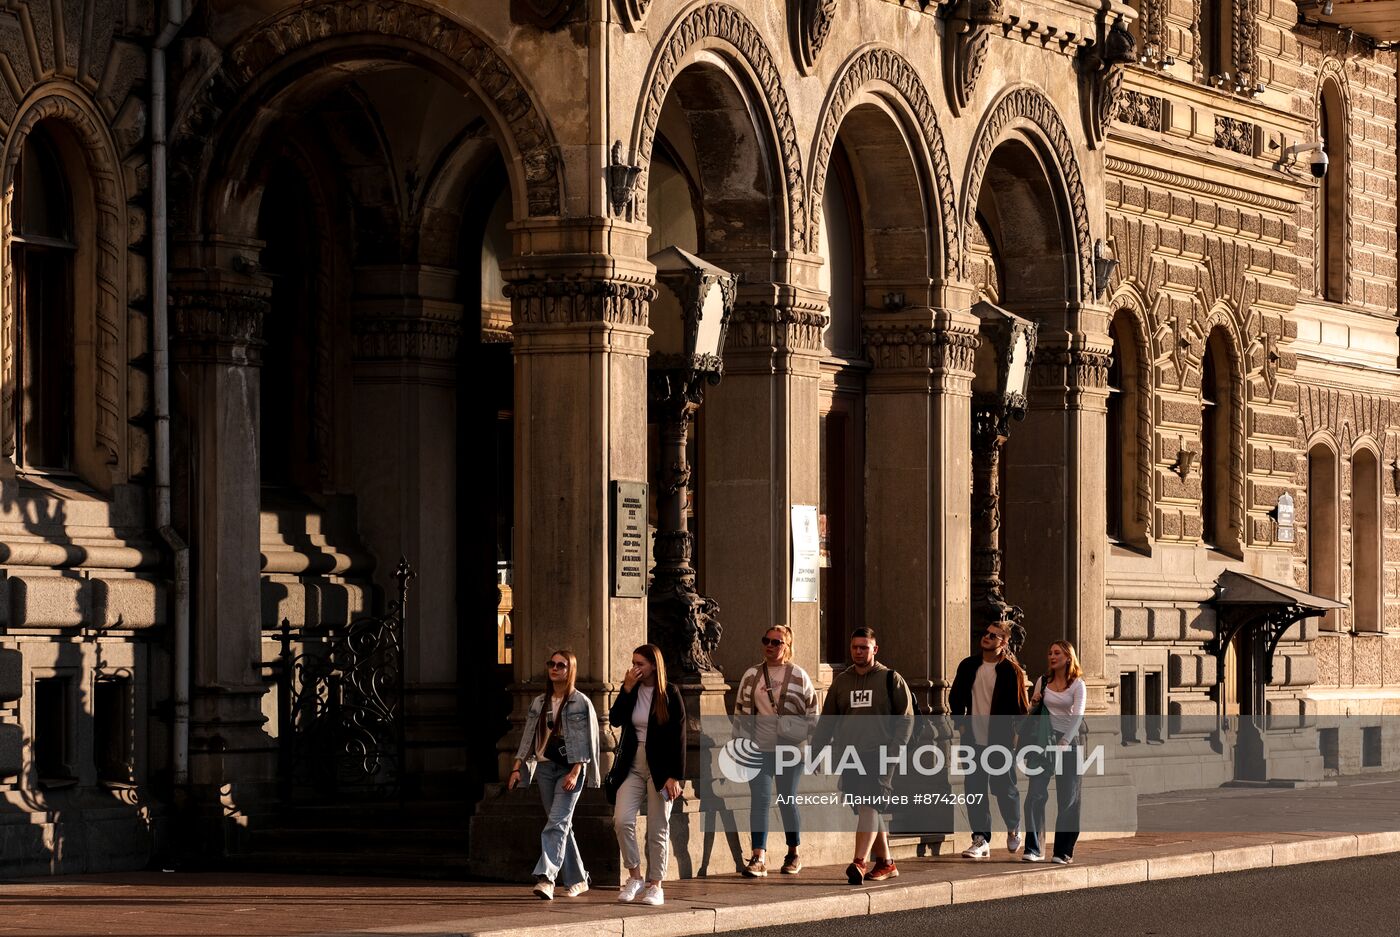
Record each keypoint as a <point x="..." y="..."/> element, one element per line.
<point x="806" y="552"/>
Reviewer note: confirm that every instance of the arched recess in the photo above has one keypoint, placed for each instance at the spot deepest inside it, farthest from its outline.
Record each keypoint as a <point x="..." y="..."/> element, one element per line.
<point x="1025" y="221"/>
<point x="89" y="163"/>
<point x="720" y="39"/>
<point x="1128" y="451"/>
<point x="1027" y="120"/>
<point x="880" y="74"/>
<point x="1324" y="524"/>
<point x="1333" y="211"/>
<point x="314" y="42"/>
<point x="871" y="245"/>
<point x="1222" y="437"/>
<point x="1366" y="543"/>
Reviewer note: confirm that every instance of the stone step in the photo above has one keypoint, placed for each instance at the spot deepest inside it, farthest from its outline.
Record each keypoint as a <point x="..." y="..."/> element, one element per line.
<point x="407" y="863"/>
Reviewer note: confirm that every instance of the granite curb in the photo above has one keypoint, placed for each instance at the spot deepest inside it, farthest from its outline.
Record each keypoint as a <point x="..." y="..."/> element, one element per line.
<point x="701" y="917"/>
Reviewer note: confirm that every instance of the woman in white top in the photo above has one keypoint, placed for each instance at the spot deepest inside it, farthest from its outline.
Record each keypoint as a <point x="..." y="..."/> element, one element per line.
<point x="1063" y="692"/>
<point x="776" y="703"/>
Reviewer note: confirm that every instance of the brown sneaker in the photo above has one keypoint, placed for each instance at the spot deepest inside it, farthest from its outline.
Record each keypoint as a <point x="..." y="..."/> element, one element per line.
<point x="756" y="868"/>
<point x="855" y="872"/>
<point x="883" y="869"/>
<point x="792" y="864"/>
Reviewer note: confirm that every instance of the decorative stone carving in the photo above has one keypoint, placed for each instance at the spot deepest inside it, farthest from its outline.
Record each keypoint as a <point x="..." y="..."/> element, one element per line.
<point x="1153" y="15"/>
<point x="1100" y="66"/>
<point x="223" y="322"/>
<point x="542" y="302"/>
<point x="1076" y="368"/>
<point x="1027" y="103"/>
<point x="391" y="24"/>
<point x="1141" y="110"/>
<point x="632" y="12"/>
<point x="809" y="23"/>
<point x="897" y="345"/>
<point x="1234" y="135"/>
<point x="720" y="21"/>
<point x="420" y="337"/>
<point x="69" y="105"/>
<point x="967" y="31"/>
<point x="546" y="14"/>
<point x="764" y="326"/>
<point x="888" y="66"/>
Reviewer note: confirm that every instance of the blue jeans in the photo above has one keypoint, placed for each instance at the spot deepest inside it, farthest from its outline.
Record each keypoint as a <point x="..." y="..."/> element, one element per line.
<point x="761" y="801"/>
<point x="1003" y="786"/>
<point x="1067" y="786"/>
<point x="559" y="856"/>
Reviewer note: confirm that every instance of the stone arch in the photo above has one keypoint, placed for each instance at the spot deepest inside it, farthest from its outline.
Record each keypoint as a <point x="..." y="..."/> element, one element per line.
<point x="69" y="105"/>
<point x="1128" y="300"/>
<point x="722" y="29"/>
<point x="1322" y="507"/>
<point x="1333" y="200"/>
<point x="1221" y="321"/>
<point x="1027" y="108"/>
<point x="880" y="71"/>
<point x="307" y="38"/>
<point x="1366" y="522"/>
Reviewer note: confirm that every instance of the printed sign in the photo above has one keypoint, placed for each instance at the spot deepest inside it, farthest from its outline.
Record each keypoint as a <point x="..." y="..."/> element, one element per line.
<point x="806" y="552"/>
<point x="629" y="539"/>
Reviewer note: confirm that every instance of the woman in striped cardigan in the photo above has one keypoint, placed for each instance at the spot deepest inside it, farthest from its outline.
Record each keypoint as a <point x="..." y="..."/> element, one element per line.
<point x="777" y="703"/>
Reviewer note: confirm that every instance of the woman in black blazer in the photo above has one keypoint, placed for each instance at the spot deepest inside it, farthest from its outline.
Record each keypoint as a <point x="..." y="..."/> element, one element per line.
<point x="652" y="717"/>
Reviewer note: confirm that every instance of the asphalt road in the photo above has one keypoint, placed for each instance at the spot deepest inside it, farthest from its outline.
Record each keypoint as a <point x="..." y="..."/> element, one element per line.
<point x="1357" y="896"/>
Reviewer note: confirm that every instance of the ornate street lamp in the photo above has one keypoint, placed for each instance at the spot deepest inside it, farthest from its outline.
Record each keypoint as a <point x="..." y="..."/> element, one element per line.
<point x="689" y="318"/>
<point x="1001" y="372"/>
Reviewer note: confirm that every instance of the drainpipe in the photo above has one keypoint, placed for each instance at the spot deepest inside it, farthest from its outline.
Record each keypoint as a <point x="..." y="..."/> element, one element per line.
<point x="160" y="356"/>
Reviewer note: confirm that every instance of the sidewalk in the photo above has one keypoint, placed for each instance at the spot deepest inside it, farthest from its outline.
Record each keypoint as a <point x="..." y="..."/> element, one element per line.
<point x="158" y="905"/>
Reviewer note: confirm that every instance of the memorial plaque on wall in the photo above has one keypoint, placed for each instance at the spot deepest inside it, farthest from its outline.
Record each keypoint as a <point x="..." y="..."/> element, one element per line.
<point x="629" y="559"/>
<point x="806" y="552"/>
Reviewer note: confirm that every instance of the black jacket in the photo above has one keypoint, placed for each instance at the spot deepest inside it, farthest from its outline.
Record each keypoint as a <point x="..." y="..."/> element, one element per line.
<point x="1007" y="698"/>
<point x="665" y="743"/>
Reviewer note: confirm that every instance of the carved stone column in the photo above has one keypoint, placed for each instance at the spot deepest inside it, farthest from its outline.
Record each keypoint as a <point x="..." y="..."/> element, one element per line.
<point x="1053" y="531"/>
<point x="216" y="320"/>
<point x="406" y="326"/>
<point x="760" y="454"/>
<point x="580" y="341"/>
<point x="918" y="481"/>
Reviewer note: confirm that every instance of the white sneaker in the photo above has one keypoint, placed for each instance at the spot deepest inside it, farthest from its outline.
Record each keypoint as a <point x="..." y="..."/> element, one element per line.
<point x="544" y="888"/>
<point x="1062" y="860"/>
<point x="1013" y="840"/>
<point x="630" y="889"/>
<point x="576" y="889"/>
<point x="978" y="850"/>
<point x="1029" y="856"/>
<point x="652" y="895"/>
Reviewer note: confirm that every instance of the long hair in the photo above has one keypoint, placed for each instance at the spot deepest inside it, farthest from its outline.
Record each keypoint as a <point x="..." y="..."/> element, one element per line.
<point x="786" y="632"/>
<point x="572" y="672"/>
<point x="1021" y="695"/>
<point x="659" y="710"/>
<point x="1072" y="670"/>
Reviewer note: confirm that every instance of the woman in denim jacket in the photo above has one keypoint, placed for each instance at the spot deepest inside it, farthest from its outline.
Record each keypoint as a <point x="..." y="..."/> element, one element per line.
<point x="560" y="747"/>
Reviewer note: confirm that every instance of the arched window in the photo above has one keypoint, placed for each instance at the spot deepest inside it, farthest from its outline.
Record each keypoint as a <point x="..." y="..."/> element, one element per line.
<point x="43" y="254"/>
<point x="1365" y="541"/>
<point x="1217" y="399"/>
<point x="1324" y="545"/>
<point x="1331" y="216"/>
<point x="842" y="411"/>
<point x="1122" y="458"/>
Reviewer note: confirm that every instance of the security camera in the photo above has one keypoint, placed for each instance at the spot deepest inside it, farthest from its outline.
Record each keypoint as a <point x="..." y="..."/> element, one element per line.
<point x="1318" y="164"/>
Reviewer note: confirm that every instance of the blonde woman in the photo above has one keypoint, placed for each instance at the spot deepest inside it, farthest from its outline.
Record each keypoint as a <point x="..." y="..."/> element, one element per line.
<point x="776" y="703"/>
<point x="559" y="747"/>
<point x="648" y="770"/>
<point x="1062" y="690"/>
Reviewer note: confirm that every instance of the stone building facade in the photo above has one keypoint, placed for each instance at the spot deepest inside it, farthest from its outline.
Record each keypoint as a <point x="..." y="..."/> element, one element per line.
<point x="292" y="290"/>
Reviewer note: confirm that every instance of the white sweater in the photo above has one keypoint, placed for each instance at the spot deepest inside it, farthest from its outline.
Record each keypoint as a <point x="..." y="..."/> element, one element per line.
<point x="1066" y="708"/>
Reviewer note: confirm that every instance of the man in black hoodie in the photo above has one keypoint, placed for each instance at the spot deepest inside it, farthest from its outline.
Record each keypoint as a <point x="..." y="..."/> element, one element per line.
<point x="990" y="689"/>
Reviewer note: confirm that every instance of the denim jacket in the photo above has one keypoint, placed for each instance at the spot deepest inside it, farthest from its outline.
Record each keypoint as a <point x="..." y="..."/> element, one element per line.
<point x="580" y="738"/>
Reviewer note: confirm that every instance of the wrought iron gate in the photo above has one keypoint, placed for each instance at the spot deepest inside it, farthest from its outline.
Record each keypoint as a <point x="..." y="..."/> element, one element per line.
<point x="340" y="704"/>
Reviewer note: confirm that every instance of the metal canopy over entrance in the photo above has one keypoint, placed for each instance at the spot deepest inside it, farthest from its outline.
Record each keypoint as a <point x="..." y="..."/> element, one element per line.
<point x="1253" y="614"/>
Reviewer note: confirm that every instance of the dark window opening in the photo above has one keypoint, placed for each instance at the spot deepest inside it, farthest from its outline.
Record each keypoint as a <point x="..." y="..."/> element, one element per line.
<point x="53" y="729"/>
<point x="1152" y="705"/>
<point x="1327" y="746"/>
<point x="112" y="700"/>
<point x="1128" y="706"/>
<point x="1371" y="747"/>
<point x="1115" y="442"/>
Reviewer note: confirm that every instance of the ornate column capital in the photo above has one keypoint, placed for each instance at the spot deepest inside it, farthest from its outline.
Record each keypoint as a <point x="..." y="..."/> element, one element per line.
<point x="406" y="313"/>
<point x="939" y="341"/>
<point x="217" y="315"/>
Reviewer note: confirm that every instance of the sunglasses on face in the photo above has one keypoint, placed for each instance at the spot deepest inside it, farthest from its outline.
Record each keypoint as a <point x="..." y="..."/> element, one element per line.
<point x="772" y="642"/>
<point x="557" y="665"/>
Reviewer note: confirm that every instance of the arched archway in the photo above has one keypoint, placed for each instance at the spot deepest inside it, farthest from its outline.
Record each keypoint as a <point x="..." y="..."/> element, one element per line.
<point x="1025" y="224"/>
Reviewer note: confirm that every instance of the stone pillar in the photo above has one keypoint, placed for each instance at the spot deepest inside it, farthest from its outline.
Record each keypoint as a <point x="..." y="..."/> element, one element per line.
<point x="1054" y="517"/>
<point x="580" y="331"/>
<point x="217" y="319"/>
<point x="406" y="323"/>
<point x="918" y="424"/>
<point x="760" y="454"/>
